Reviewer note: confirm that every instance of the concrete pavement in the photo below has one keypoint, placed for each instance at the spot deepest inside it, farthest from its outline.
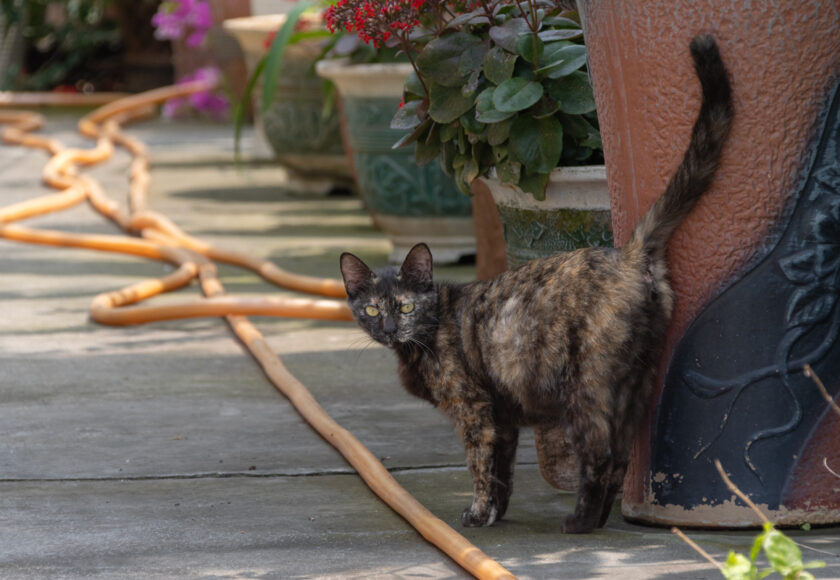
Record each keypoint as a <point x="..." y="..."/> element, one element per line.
<point x="161" y="451"/>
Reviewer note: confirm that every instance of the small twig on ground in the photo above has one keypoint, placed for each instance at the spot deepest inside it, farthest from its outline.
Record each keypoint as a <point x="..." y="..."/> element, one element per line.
<point x="734" y="489"/>
<point x="809" y="372"/>
<point x="696" y="548"/>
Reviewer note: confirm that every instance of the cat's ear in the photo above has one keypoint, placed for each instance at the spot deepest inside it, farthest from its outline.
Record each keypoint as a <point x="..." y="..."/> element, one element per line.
<point x="356" y="274"/>
<point x="417" y="265"/>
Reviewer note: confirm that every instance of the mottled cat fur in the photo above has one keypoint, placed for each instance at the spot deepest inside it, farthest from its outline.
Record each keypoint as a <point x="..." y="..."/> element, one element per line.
<point x="572" y="339"/>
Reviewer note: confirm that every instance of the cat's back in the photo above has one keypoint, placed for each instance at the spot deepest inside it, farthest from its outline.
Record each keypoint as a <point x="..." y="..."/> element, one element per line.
<point x="530" y="325"/>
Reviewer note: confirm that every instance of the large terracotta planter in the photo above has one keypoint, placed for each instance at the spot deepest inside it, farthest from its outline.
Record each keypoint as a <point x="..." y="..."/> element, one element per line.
<point x="409" y="203"/>
<point x="755" y="266"/>
<point x="303" y="138"/>
<point x="575" y="214"/>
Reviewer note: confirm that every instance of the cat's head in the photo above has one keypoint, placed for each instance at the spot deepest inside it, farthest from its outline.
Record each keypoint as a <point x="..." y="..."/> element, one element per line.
<point x="395" y="306"/>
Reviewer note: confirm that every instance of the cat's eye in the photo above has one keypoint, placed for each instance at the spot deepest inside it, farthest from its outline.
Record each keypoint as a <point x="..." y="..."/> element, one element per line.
<point x="371" y="311"/>
<point x="407" y="307"/>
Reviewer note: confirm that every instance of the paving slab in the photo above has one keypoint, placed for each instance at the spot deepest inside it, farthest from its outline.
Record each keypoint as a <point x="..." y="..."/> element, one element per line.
<point x="161" y="451"/>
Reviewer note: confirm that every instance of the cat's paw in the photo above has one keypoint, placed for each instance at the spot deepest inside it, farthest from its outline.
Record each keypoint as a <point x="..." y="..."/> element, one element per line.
<point x="577" y="525"/>
<point x="475" y="519"/>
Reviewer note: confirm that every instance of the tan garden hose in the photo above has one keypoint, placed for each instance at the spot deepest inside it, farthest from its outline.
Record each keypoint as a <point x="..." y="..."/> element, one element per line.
<point x="160" y="239"/>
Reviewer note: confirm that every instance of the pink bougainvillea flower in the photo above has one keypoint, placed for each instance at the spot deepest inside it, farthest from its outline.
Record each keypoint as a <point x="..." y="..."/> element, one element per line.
<point x="208" y="102"/>
<point x="177" y="19"/>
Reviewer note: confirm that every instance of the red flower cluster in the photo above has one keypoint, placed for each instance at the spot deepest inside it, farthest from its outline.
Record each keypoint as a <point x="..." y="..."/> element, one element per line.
<point x="376" y="22"/>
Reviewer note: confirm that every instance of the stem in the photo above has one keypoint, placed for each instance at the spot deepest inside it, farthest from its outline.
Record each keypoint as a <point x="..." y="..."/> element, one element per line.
<point x="734" y="489"/>
<point x="406" y="47"/>
<point x="696" y="548"/>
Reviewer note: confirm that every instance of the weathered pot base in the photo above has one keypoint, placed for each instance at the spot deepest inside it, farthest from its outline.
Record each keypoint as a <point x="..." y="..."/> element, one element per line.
<point x="726" y="515"/>
<point x="450" y="239"/>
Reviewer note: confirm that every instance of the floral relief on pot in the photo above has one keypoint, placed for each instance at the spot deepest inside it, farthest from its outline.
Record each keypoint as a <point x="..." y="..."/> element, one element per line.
<point x="575" y="214"/>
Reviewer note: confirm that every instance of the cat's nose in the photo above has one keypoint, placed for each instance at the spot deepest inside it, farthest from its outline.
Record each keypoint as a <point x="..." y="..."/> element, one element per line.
<point x="389" y="326"/>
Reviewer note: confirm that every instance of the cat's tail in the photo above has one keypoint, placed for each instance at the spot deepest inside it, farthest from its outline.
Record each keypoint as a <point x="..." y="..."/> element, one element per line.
<point x="694" y="175"/>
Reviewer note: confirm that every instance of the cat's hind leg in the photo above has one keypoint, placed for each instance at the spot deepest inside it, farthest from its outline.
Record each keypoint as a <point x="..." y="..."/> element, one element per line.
<point x="504" y="453"/>
<point x="591" y="434"/>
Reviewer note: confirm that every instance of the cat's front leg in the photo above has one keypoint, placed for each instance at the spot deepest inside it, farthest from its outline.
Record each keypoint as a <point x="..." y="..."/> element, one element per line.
<point x="474" y="421"/>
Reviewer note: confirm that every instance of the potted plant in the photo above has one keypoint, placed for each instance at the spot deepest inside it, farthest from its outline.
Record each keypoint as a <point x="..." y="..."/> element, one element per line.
<point x="499" y="92"/>
<point x="409" y="202"/>
<point x="290" y="107"/>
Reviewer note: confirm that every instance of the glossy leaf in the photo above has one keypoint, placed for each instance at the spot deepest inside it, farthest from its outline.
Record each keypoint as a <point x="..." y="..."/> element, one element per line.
<point x="499" y="132"/>
<point x="536" y="143"/>
<point x="417" y="133"/>
<point x="413" y="85"/>
<point x="440" y="59"/>
<point x="516" y="94"/>
<point x="530" y="47"/>
<point x="508" y="33"/>
<point x="563" y="61"/>
<point x="485" y="111"/>
<point x="552" y="34"/>
<point x="534" y="184"/>
<point x="406" y="117"/>
<point x="498" y="65"/>
<point x="446" y="104"/>
<point x="573" y="94"/>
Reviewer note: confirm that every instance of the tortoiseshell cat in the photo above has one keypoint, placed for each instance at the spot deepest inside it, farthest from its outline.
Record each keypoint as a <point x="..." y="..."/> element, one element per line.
<point x="572" y="339"/>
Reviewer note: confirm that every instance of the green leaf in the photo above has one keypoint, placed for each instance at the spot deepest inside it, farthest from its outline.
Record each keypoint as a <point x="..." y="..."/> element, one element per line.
<point x="485" y="111"/>
<point x="508" y="33"/>
<point x="406" y="116"/>
<point x="498" y="133"/>
<point x="274" y="59"/>
<point x="782" y="553"/>
<point x="535" y="185"/>
<point x="241" y="106"/>
<point x="562" y="61"/>
<point x="448" y="132"/>
<point x="472" y="59"/>
<point x="516" y="94"/>
<point x="470" y="124"/>
<point x="737" y="567"/>
<point x="446" y="104"/>
<point x="413" y="86"/>
<point x="553" y="35"/>
<point x="758" y="542"/>
<point x="509" y="171"/>
<point x="440" y="59"/>
<point x="498" y="65"/>
<point x="530" y="47"/>
<point x="560" y="22"/>
<point x="425" y="152"/>
<point x="573" y="94"/>
<point x="536" y="143"/>
<point x="418" y="132"/>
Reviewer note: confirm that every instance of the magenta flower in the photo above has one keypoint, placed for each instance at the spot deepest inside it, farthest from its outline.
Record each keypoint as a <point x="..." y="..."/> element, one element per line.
<point x="176" y="19"/>
<point x="207" y="102"/>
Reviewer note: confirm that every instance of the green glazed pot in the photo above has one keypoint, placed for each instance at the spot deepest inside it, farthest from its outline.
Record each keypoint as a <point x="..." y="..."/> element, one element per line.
<point x="409" y="203"/>
<point x="575" y="214"/>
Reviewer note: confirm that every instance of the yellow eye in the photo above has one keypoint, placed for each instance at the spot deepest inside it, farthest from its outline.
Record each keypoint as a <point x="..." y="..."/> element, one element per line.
<point x="371" y="311"/>
<point x="407" y="307"/>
